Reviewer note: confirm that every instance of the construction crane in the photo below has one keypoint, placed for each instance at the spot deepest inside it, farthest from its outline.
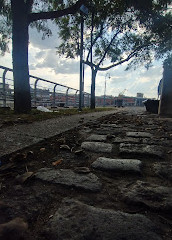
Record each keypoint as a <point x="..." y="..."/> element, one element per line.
<point x="121" y="94"/>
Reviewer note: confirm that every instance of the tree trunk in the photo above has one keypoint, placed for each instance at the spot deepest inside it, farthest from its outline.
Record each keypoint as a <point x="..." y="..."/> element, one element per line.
<point x="20" y="38"/>
<point x="165" y="108"/>
<point x="93" y="82"/>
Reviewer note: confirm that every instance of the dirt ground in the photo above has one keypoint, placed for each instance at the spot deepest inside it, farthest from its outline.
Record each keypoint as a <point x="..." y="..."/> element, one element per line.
<point x="36" y="201"/>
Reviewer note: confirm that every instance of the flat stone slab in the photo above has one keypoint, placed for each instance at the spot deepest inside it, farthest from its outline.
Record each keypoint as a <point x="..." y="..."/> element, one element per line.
<point x="106" y="131"/>
<point x="97" y="147"/>
<point x="163" y="169"/>
<point x="113" y="125"/>
<point x="126" y="140"/>
<point x="151" y="195"/>
<point x="161" y="142"/>
<point x="131" y="165"/>
<point x="97" y="138"/>
<point x="122" y="127"/>
<point x="142" y="149"/>
<point x="139" y="134"/>
<point x="67" y="177"/>
<point x="77" y="221"/>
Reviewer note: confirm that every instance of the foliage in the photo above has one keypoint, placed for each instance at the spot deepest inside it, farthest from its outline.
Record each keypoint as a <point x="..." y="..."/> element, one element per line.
<point x="5" y="26"/>
<point x="34" y="6"/>
<point x="124" y="30"/>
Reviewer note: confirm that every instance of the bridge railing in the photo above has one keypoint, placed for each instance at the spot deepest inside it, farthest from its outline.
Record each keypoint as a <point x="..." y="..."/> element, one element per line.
<point x="43" y="92"/>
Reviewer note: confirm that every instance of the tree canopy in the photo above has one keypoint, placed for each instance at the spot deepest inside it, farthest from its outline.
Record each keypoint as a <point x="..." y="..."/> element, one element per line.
<point x="123" y="30"/>
<point x="38" y="12"/>
<point x="120" y="30"/>
<point x="16" y="16"/>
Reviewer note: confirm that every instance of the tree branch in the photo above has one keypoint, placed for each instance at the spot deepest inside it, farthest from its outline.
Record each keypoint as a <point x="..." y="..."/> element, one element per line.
<point x="122" y="61"/>
<point x="90" y="64"/>
<point x="108" y="47"/>
<point x="56" y="14"/>
<point x="96" y="38"/>
<point x="102" y="27"/>
<point x="132" y="54"/>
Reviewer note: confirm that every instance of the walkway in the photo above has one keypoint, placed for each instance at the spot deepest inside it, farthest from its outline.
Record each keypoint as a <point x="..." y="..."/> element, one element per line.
<point x="108" y="179"/>
<point x="14" y="138"/>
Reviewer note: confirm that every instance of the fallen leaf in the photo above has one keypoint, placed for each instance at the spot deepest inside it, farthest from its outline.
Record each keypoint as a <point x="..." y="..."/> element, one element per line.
<point x="23" y="178"/>
<point x="57" y="162"/>
<point x="42" y="149"/>
<point x="78" y="152"/>
<point x="65" y="147"/>
<point x="61" y="140"/>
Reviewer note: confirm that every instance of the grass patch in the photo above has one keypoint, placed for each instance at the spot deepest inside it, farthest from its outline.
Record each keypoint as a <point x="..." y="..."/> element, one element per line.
<point x="8" y="116"/>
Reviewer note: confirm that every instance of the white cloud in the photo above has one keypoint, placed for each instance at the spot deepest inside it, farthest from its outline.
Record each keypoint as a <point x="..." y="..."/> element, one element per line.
<point x="45" y="63"/>
<point x="51" y="42"/>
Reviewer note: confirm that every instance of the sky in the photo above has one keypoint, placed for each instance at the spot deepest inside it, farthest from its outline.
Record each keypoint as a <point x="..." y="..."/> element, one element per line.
<point x="45" y="63"/>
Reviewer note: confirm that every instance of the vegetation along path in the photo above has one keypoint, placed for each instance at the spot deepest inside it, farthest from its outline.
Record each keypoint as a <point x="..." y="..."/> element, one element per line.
<point x="108" y="178"/>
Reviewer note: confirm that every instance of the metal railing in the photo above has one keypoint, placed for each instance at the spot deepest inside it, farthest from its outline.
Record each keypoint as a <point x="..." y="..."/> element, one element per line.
<point x="53" y="95"/>
<point x="56" y="95"/>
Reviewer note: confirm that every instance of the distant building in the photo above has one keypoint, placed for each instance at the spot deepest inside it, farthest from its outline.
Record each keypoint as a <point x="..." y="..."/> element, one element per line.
<point x="121" y="100"/>
<point x="139" y="95"/>
<point x="45" y="98"/>
<point x="139" y="100"/>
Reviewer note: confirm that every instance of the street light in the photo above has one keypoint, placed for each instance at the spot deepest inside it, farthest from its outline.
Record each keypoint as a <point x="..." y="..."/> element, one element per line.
<point x="84" y="11"/>
<point x="107" y="74"/>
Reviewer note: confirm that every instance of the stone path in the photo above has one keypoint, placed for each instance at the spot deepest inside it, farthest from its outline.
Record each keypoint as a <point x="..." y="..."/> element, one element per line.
<point x="119" y="183"/>
<point x="97" y="147"/>
<point x="163" y="169"/>
<point x="17" y="137"/>
<point x="87" y="181"/>
<point x="125" y="165"/>
<point x="75" y="220"/>
<point x="141" y="149"/>
<point x="152" y="195"/>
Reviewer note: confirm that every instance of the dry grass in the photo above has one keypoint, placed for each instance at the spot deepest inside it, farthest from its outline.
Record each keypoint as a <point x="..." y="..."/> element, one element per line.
<point x="8" y="117"/>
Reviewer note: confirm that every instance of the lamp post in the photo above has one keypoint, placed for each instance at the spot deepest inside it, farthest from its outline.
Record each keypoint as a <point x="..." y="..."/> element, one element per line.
<point x="84" y="11"/>
<point x="107" y="74"/>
